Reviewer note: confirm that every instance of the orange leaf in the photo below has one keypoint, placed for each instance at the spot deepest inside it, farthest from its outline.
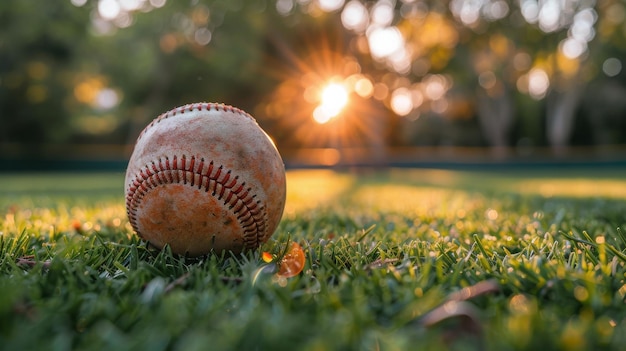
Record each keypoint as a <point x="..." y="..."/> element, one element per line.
<point x="267" y="257"/>
<point x="293" y="261"/>
<point x="77" y="226"/>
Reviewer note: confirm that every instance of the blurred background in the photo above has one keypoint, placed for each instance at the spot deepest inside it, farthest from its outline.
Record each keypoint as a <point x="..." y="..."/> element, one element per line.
<point x="333" y="82"/>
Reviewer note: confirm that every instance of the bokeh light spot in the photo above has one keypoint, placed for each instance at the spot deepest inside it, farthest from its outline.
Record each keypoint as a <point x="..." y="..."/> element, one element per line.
<point x="382" y="13"/>
<point x="381" y="91"/>
<point x="549" y="16"/>
<point x="78" y="3"/>
<point x="330" y="5"/>
<point x="384" y="42"/>
<point x="284" y="7"/>
<point x="203" y="36"/>
<point x="355" y="16"/>
<point x="538" y="83"/>
<point x="573" y="48"/>
<point x="522" y="61"/>
<point x="364" y="87"/>
<point x="157" y="3"/>
<point x="402" y="101"/>
<point x="130" y="5"/>
<point x="107" y="99"/>
<point x="487" y="80"/>
<point x="109" y="9"/>
<point x="612" y="66"/>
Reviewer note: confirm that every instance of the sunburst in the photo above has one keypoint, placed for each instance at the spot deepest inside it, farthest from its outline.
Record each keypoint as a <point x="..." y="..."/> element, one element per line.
<point x="320" y="102"/>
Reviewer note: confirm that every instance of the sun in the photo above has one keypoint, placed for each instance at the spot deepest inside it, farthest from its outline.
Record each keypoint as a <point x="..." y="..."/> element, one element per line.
<point x="321" y="110"/>
<point x="333" y="100"/>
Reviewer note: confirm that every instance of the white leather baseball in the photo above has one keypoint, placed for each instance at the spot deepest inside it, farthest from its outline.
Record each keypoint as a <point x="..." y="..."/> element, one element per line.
<point x="205" y="178"/>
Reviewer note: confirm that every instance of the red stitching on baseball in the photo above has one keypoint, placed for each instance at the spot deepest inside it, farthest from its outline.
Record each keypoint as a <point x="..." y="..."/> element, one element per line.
<point x="250" y="214"/>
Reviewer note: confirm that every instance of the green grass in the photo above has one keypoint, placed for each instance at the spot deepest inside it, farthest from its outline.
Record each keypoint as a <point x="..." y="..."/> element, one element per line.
<point x="396" y="260"/>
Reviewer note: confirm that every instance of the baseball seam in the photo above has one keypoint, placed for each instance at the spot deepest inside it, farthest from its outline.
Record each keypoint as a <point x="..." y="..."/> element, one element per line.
<point x="216" y="180"/>
<point x="202" y="106"/>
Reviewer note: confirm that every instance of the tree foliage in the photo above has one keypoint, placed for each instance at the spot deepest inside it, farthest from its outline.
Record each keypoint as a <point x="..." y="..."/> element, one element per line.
<point x="96" y="71"/>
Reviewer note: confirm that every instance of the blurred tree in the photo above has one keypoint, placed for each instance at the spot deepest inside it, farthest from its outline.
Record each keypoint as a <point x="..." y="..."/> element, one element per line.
<point x="99" y="70"/>
<point x="181" y="53"/>
<point x="492" y="50"/>
<point x="603" y="103"/>
<point x="38" y="58"/>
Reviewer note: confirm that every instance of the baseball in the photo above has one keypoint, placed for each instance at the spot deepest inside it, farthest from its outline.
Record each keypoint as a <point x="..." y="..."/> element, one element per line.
<point x="205" y="178"/>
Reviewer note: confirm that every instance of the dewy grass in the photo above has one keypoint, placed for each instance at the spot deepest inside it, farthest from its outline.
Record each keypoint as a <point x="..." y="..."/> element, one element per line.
<point x="396" y="260"/>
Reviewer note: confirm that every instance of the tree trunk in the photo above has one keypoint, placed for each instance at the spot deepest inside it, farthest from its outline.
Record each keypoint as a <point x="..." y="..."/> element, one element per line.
<point x="561" y="112"/>
<point x="495" y="114"/>
<point x="146" y="111"/>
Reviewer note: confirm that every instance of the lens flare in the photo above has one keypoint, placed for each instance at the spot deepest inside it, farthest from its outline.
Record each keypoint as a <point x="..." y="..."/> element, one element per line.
<point x="323" y="101"/>
<point x="333" y="100"/>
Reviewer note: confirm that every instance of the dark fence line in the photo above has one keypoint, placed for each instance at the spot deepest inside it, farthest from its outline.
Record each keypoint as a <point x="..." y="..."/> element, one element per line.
<point x="115" y="158"/>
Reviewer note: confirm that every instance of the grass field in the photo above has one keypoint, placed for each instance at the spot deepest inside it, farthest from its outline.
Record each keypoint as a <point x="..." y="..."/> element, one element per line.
<point x="395" y="260"/>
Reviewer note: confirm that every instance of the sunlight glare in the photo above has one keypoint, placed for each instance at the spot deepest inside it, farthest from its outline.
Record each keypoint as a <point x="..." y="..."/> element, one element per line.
<point x="333" y="99"/>
<point x="335" y="95"/>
